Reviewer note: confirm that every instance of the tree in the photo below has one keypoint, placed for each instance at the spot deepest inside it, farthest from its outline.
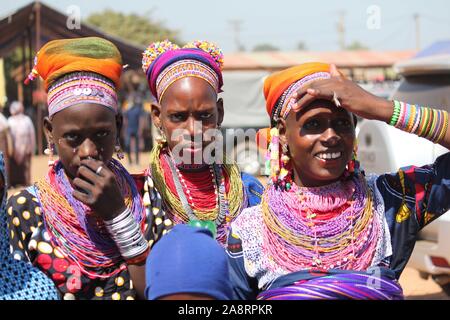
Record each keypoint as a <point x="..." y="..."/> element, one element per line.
<point x="302" y="46"/>
<point x="140" y="29"/>
<point x="265" y="47"/>
<point x="356" y="45"/>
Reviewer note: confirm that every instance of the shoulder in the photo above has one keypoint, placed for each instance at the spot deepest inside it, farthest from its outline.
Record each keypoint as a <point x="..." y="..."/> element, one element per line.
<point x="23" y="198"/>
<point x="247" y="222"/>
<point x="24" y="210"/>
<point x="252" y="184"/>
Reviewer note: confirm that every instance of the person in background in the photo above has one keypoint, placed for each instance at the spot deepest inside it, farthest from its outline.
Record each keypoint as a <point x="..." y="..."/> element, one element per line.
<point x="6" y="145"/>
<point x="24" y="144"/>
<point x="133" y="123"/>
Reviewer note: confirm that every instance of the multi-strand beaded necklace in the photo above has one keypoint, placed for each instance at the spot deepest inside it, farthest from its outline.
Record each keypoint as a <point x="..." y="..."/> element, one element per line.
<point x="321" y="228"/>
<point x="211" y="193"/>
<point x="74" y="228"/>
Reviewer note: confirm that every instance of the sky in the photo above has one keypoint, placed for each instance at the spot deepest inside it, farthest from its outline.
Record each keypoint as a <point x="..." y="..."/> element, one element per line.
<point x="377" y="24"/>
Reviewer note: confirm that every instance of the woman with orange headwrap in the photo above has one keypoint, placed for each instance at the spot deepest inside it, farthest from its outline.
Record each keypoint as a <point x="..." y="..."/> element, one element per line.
<point x="83" y="225"/>
<point x="325" y="230"/>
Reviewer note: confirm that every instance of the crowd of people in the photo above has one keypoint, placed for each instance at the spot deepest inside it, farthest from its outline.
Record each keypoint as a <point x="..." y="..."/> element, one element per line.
<point x="195" y="227"/>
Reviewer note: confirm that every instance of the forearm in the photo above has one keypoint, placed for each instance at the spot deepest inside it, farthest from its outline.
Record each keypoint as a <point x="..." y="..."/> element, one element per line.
<point x="429" y="123"/>
<point x="137" y="274"/>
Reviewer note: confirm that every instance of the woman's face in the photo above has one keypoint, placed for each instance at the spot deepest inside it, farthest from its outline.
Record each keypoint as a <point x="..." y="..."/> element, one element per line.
<point x="83" y="131"/>
<point x="189" y="108"/>
<point x="320" y="139"/>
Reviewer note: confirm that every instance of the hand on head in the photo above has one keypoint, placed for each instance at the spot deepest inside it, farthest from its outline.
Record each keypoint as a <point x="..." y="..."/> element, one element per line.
<point x="351" y="96"/>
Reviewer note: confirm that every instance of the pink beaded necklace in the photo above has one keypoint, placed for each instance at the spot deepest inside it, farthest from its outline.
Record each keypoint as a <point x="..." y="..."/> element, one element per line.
<point x="327" y="227"/>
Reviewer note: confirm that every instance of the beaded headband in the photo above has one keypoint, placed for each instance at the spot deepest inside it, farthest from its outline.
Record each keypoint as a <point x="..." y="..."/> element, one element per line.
<point x="285" y="102"/>
<point x="164" y="63"/>
<point x="84" y="89"/>
<point x="182" y="69"/>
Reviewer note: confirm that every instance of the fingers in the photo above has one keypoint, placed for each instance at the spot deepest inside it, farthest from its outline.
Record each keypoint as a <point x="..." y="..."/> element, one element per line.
<point x="86" y="173"/>
<point x="83" y="186"/>
<point x="92" y="164"/>
<point x="334" y="71"/>
<point x="303" y="102"/>
<point x="80" y="196"/>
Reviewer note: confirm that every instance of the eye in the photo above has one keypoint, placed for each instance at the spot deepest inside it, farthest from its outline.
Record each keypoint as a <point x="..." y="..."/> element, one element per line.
<point x="103" y="134"/>
<point x="343" y="123"/>
<point x="311" y="124"/>
<point x="71" y="137"/>
<point x="205" y="115"/>
<point x="177" y="117"/>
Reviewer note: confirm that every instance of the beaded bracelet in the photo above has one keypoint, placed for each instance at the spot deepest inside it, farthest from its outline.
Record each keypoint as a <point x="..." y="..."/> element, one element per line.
<point x="429" y="123"/>
<point x="395" y="114"/>
<point x="127" y="235"/>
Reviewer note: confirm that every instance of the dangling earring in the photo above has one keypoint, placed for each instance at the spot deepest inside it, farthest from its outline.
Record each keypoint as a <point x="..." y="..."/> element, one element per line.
<point x="285" y="172"/>
<point x="161" y="139"/>
<point x="353" y="166"/>
<point x="118" y="150"/>
<point x="49" y="151"/>
<point x="274" y="155"/>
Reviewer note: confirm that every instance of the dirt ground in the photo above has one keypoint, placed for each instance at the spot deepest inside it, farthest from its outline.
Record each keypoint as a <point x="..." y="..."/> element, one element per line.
<point x="414" y="287"/>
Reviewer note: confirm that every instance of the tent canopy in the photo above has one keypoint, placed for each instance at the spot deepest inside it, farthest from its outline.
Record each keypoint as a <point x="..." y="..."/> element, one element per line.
<point x="38" y="20"/>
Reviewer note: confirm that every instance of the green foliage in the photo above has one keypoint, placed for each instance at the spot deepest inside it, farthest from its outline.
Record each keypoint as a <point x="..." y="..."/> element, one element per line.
<point x="140" y="29"/>
<point x="356" y="45"/>
<point x="302" y="46"/>
<point x="265" y="47"/>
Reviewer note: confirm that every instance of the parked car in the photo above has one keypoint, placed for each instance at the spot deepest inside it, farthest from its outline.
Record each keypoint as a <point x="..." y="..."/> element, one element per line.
<point x="382" y="148"/>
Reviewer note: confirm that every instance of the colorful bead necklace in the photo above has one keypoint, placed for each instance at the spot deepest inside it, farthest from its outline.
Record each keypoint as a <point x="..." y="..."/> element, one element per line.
<point x="207" y="188"/>
<point x="74" y="228"/>
<point x="327" y="227"/>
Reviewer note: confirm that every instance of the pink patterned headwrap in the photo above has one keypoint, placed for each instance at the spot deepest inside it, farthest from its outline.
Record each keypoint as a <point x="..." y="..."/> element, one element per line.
<point x="164" y="63"/>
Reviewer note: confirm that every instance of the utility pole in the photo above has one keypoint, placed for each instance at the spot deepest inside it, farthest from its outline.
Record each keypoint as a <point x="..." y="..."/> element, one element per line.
<point x="236" y="25"/>
<point x="340" y="28"/>
<point x="417" y="22"/>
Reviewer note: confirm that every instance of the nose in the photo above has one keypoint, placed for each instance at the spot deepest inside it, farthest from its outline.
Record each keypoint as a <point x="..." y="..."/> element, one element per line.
<point x="88" y="149"/>
<point x="195" y="129"/>
<point x="330" y="138"/>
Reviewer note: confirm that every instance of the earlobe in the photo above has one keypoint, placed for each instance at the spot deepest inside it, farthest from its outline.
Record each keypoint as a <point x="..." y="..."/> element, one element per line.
<point x="119" y="123"/>
<point x="48" y="130"/>
<point x="220" y="111"/>
<point x="281" y="125"/>
<point x="156" y="115"/>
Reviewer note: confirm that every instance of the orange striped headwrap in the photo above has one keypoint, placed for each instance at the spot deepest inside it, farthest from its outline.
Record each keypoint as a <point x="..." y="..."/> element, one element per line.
<point x="98" y="60"/>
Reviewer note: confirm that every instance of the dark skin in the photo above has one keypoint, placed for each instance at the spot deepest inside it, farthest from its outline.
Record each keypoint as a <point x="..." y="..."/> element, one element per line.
<point x="84" y="136"/>
<point x="319" y="128"/>
<point x="186" y="101"/>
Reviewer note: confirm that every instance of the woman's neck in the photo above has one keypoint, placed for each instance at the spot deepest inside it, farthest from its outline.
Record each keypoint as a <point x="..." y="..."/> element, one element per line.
<point x="304" y="182"/>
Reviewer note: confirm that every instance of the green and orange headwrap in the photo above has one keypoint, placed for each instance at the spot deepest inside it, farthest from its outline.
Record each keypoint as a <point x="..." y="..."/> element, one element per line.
<point x="91" y="55"/>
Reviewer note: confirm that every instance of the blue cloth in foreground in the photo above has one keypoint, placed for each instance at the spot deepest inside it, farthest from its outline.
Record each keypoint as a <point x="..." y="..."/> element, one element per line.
<point x="187" y="260"/>
<point x="19" y="280"/>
